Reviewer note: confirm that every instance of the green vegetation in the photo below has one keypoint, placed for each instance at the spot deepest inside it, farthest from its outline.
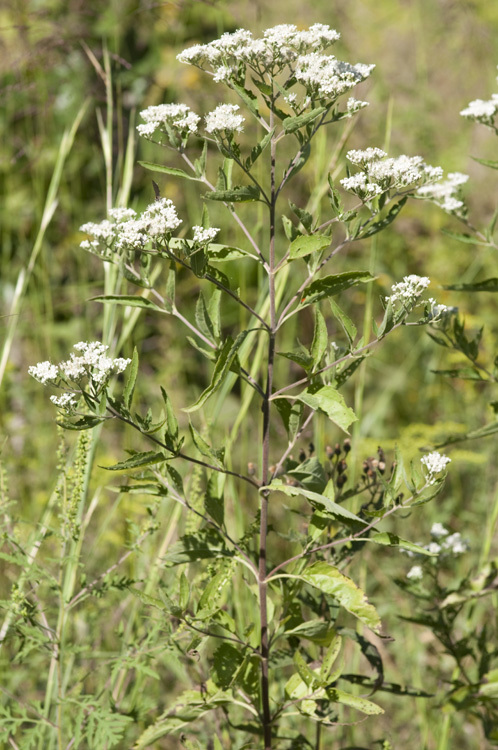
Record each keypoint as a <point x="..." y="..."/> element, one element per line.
<point x="87" y="656"/>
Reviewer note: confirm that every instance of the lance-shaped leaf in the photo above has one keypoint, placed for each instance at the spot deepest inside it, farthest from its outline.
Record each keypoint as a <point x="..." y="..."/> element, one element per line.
<point x="85" y="423"/>
<point x="331" y="285"/>
<point x="379" y="224"/>
<point x="328" y="400"/>
<point x="331" y="581"/>
<point x="291" y="414"/>
<point x="138" y="460"/>
<point x="291" y="124"/>
<point x="129" y="300"/>
<point x="345" y="321"/>
<point x="387" y="539"/>
<point x="238" y="194"/>
<point x="258" y="149"/>
<point x="320" y="337"/>
<point x="204" y="448"/>
<point x="226" y="359"/>
<point x="353" y="701"/>
<point x="173" y="171"/>
<point x="327" y="506"/>
<point x="131" y="380"/>
<point x="487" y="285"/>
<point x="306" y="244"/>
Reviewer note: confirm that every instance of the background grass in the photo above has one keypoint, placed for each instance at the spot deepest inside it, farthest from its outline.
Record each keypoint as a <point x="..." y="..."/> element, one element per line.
<point x="432" y="58"/>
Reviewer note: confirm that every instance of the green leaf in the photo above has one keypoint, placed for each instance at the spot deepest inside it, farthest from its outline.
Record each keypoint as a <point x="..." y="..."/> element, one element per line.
<point x="311" y="474"/>
<point x="306" y="674"/>
<point x="184" y="592"/>
<point x="298" y="162"/>
<point x="129" y="300"/>
<point x="214" y="313"/>
<point x="326" y="399"/>
<point x="346" y="322"/>
<point x="224" y="253"/>
<point x="84" y="423"/>
<point x="468" y="239"/>
<point x="203" y="447"/>
<point x="237" y="194"/>
<point x="316" y="631"/>
<point x="304" y="217"/>
<point x="258" y="149"/>
<point x="291" y="124"/>
<point x="203" y="545"/>
<point x="300" y="356"/>
<point x="171" y="421"/>
<point x="224" y="362"/>
<point x="322" y="501"/>
<point x="200" y="163"/>
<point x="138" y="460"/>
<point x="131" y="380"/>
<point x="486" y="162"/>
<point x="203" y="320"/>
<point x="330" y="580"/>
<point x="247" y="96"/>
<point x="213" y="501"/>
<point x="168" y="170"/>
<point x="488" y="285"/>
<point x="379" y="224"/>
<point x="320" y="338"/>
<point x="361" y="704"/>
<point x="331" y="285"/>
<point x="291" y="414"/>
<point x="387" y="539"/>
<point x="306" y="244"/>
<point x="226" y="662"/>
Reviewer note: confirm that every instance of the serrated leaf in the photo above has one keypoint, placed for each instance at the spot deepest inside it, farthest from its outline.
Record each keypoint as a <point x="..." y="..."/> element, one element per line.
<point x="300" y="356"/>
<point x="203" y="447"/>
<point x="131" y="380"/>
<point x="304" y="216"/>
<point x="311" y="474"/>
<point x="291" y="414"/>
<point x="173" y="171"/>
<point x="258" y="149"/>
<point x="171" y="421"/>
<point x="129" y="300"/>
<point x="379" y="224"/>
<point x="138" y="460"/>
<point x="224" y="362"/>
<point x="324" y="503"/>
<point x="331" y="285"/>
<point x="326" y="399"/>
<point x="238" y="194"/>
<point x="226" y="662"/>
<point x="330" y="580"/>
<point x="291" y="124"/>
<point x="306" y="244"/>
<point x="487" y="285"/>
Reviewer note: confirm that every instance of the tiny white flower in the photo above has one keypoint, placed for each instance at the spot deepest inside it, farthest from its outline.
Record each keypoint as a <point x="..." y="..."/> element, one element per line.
<point x="203" y="236"/>
<point x="435" y="464"/>
<point x="224" y="118"/>
<point x="433" y="547"/>
<point x="408" y="290"/>
<point x="438" y="530"/>
<point x="415" y="573"/>
<point x="44" y="372"/>
<point x="455" y="544"/>
<point x="64" y="401"/>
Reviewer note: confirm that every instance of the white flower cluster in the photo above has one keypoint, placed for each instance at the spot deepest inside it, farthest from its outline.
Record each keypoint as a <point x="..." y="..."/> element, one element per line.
<point x="204" y="236"/>
<point x="444" y="544"/>
<point x="381" y="173"/>
<point x="178" y="117"/>
<point x="65" y="401"/>
<point x="224" y="119"/>
<point x="126" y="230"/>
<point x="324" y="77"/>
<point x="415" y="573"/>
<point x="91" y="361"/>
<point x="278" y="47"/>
<point x="435" y="464"/>
<point x="445" y="194"/>
<point x="482" y="111"/>
<point x="409" y="290"/>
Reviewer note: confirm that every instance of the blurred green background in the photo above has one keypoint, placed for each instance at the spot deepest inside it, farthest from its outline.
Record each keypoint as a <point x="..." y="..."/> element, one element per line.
<point x="432" y="58"/>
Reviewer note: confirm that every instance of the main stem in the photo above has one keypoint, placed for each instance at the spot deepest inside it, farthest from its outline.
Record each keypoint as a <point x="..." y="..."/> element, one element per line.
<point x="265" y="472"/>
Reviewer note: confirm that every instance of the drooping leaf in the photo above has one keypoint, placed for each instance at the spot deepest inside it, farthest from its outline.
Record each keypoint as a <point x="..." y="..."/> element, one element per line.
<point x="238" y="194"/>
<point x="324" y="503"/>
<point x="137" y="460"/>
<point x="487" y="285"/>
<point x="224" y="362"/>
<point x="310" y="474"/>
<point x="331" y="581"/>
<point x="204" y="448"/>
<point x="300" y="356"/>
<point x="304" y="216"/>
<point x="331" y="285"/>
<point x="306" y="244"/>
<point x="381" y="223"/>
<point x="387" y="539"/>
<point x="353" y="701"/>
<point x="326" y="399"/>
<point x="84" y="423"/>
<point x="291" y="414"/>
<point x="213" y="501"/>
<point x="346" y="322"/>
<point x="320" y="337"/>
<point x="129" y="300"/>
<point x="258" y="149"/>
<point x="173" y="171"/>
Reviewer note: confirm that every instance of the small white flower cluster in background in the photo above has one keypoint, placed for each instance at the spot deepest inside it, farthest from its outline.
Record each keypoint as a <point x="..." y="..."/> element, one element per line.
<point x="415" y="573"/>
<point x="483" y="111"/>
<point x="408" y="291"/>
<point x="435" y="464"/>
<point x="444" y="544"/>
<point x="381" y="173"/>
<point x="91" y="361"/>
<point x="125" y="230"/>
<point x="224" y="119"/>
<point x="446" y="194"/>
<point x="178" y="117"/>
<point x="204" y="236"/>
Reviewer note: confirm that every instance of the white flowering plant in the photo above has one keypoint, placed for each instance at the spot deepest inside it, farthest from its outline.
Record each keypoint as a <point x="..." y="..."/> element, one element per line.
<point x="275" y="666"/>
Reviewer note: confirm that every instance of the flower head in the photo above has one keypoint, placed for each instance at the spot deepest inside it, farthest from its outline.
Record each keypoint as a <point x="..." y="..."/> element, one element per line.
<point x="415" y="573"/>
<point x="224" y="119"/>
<point x="409" y="290"/>
<point x="44" y="372"/>
<point x="435" y="464"/>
